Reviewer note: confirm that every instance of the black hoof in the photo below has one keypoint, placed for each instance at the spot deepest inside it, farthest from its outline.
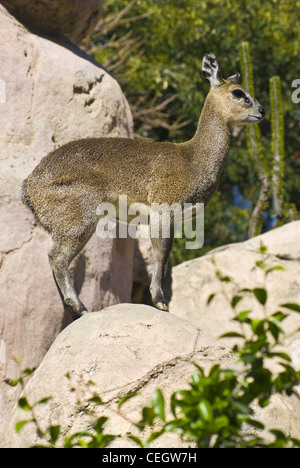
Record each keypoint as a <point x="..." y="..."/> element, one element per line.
<point x="162" y="306"/>
<point x="75" y="312"/>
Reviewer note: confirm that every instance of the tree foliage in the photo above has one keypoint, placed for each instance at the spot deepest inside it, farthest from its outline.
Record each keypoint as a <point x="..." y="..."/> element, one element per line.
<point x="155" y="50"/>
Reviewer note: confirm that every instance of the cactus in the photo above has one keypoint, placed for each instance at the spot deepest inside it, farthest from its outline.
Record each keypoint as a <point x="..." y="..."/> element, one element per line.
<point x="255" y="149"/>
<point x="253" y="132"/>
<point x="277" y="147"/>
<point x="270" y="177"/>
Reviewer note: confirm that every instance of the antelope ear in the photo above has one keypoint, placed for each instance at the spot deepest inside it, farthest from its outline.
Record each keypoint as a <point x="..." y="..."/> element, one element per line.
<point x="211" y="70"/>
<point x="234" y="78"/>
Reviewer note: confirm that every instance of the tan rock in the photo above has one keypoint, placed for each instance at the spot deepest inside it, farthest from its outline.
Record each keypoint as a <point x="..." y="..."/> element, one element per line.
<point x="194" y="281"/>
<point x="73" y="19"/>
<point x="53" y="95"/>
<point x="122" y="349"/>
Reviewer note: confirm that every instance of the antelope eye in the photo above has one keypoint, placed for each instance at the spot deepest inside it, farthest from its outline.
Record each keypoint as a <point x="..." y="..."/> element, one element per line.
<point x="238" y="93"/>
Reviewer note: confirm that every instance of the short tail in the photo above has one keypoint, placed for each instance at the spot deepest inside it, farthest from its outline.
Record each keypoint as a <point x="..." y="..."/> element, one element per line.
<point x="25" y="197"/>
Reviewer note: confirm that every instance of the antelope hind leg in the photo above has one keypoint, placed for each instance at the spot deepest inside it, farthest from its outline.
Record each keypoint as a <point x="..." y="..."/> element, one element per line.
<point x="60" y="257"/>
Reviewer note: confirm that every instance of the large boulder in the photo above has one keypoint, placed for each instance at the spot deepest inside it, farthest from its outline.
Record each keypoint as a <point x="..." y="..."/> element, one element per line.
<point x="73" y="19"/>
<point x="124" y="349"/>
<point x="49" y="96"/>
<point x="194" y="281"/>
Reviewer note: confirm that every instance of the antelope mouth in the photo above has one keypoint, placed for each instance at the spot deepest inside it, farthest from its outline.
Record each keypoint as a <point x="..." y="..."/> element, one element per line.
<point x="254" y="118"/>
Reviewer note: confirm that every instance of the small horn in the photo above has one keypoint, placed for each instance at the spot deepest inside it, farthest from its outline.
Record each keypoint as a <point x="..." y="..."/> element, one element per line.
<point x="234" y="78"/>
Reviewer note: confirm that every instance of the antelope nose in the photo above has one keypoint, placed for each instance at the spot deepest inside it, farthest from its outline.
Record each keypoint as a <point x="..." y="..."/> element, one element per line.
<point x="262" y="111"/>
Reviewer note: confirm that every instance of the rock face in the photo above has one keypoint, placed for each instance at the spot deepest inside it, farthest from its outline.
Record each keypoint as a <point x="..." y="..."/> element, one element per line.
<point x="122" y="349"/>
<point x="50" y="93"/>
<point x="194" y="281"/>
<point x="73" y="19"/>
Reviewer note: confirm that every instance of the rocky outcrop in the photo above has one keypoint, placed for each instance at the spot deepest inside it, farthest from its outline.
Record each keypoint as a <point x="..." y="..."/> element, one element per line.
<point x="123" y="349"/>
<point x="73" y="19"/>
<point x="128" y="348"/>
<point x="194" y="281"/>
<point x="52" y="93"/>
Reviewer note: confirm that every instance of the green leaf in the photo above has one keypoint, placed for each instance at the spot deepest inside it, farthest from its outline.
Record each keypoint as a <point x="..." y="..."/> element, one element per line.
<point x="44" y="400"/>
<point x="29" y="371"/>
<point x="73" y="440"/>
<point x="225" y="278"/>
<point x="54" y="432"/>
<point x="232" y="335"/>
<point x="262" y="248"/>
<point x="260" y="294"/>
<point x="260" y="264"/>
<point x="173" y="403"/>
<point x="214" y="371"/>
<point x="148" y="415"/>
<point x="221" y="422"/>
<point x="291" y="306"/>
<point x="82" y="443"/>
<point x="205" y="410"/>
<point x="126" y="398"/>
<point x="24" y="405"/>
<point x="296" y="442"/>
<point x="40" y="446"/>
<point x="255" y="423"/>
<point x="275" y="329"/>
<point x="96" y="399"/>
<point x="210" y="298"/>
<point x="264" y="401"/>
<point x="20" y="425"/>
<point x="137" y="440"/>
<point x="276" y="267"/>
<point x="247" y="358"/>
<point x="243" y="316"/>
<point x="154" y="436"/>
<point x="98" y="425"/>
<point x="13" y="382"/>
<point x="280" y="316"/>
<point x="257" y="326"/>
<point x="278" y="434"/>
<point x="284" y="356"/>
<point x="235" y="300"/>
<point x="158" y="404"/>
<point x="242" y="408"/>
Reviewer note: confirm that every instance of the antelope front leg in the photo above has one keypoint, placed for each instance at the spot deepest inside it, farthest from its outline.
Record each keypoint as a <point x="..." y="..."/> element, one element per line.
<point x="161" y="252"/>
